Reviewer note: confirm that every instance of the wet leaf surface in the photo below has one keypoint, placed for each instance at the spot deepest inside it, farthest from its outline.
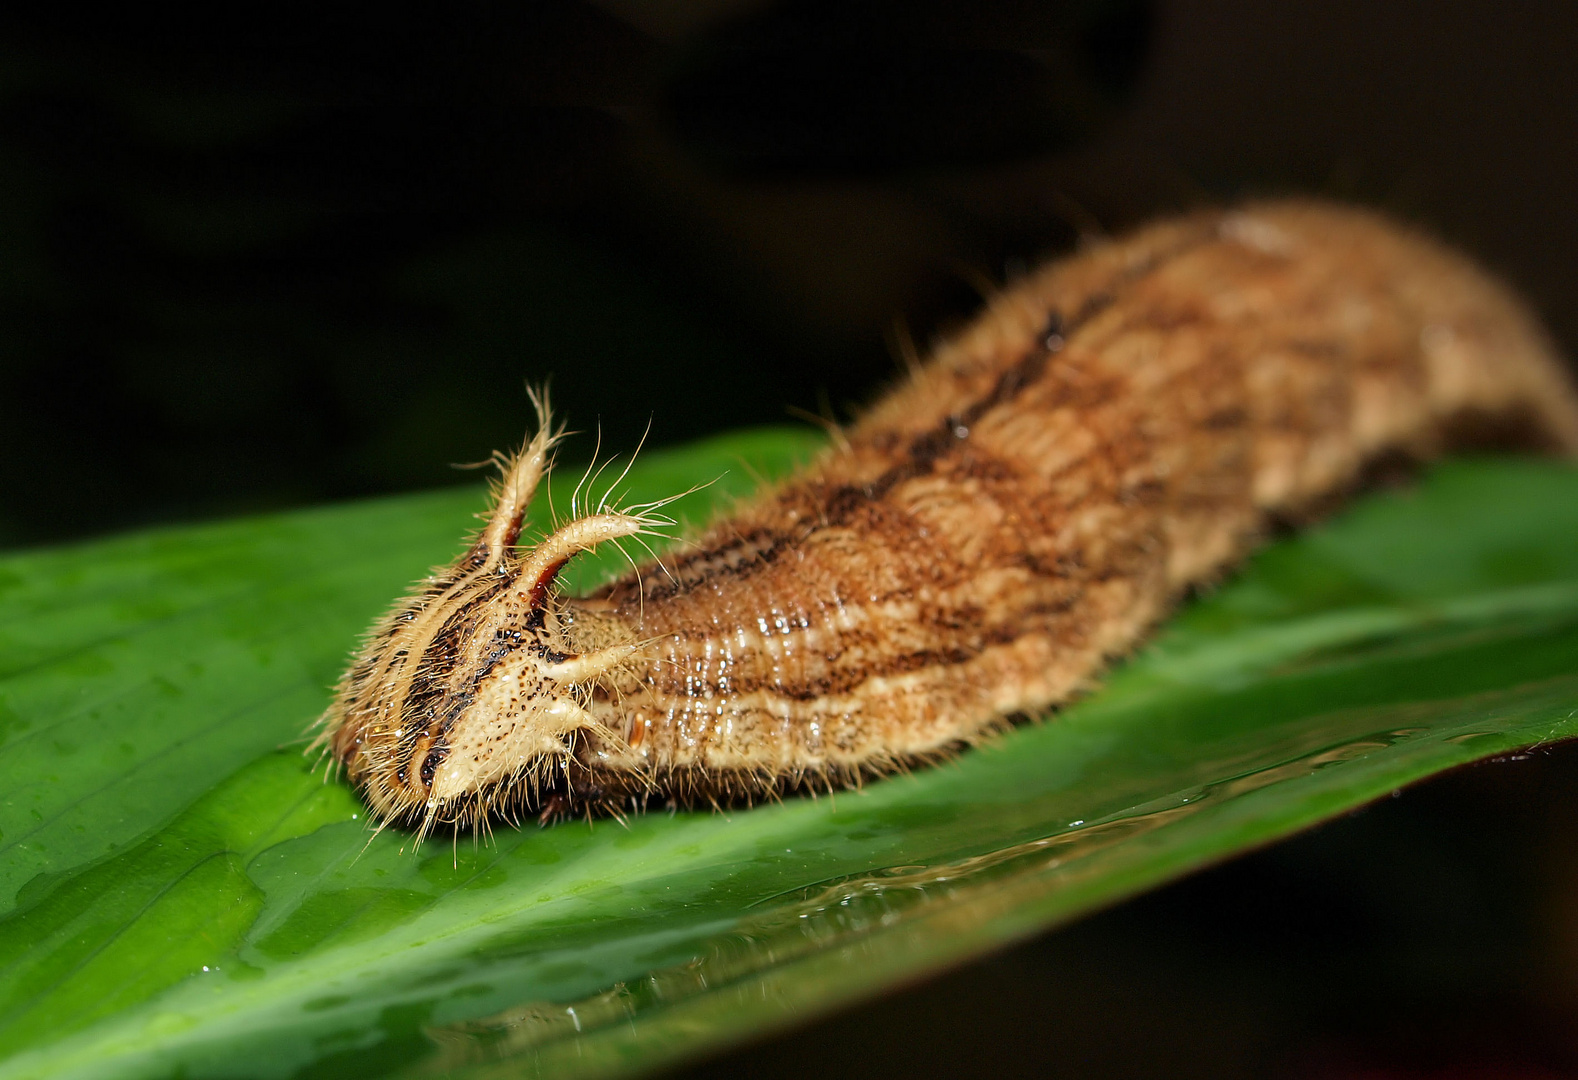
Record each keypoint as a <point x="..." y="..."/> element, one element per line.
<point x="183" y="894"/>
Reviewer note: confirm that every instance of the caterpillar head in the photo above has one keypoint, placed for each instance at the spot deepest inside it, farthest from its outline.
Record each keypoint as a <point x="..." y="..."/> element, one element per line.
<point x="473" y="695"/>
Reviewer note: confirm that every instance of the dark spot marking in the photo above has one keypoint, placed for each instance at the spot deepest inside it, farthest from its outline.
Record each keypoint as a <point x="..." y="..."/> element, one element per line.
<point x="1053" y="336"/>
<point x="435" y="758"/>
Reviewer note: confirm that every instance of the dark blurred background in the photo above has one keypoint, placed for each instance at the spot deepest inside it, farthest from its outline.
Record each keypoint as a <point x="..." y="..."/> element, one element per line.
<point x="262" y="256"/>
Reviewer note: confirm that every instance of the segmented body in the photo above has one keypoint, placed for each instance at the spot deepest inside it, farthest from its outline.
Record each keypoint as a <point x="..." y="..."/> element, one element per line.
<point x="1115" y="429"/>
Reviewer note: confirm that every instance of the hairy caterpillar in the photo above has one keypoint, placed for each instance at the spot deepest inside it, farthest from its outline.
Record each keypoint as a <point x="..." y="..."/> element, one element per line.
<point x="1117" y="427"/>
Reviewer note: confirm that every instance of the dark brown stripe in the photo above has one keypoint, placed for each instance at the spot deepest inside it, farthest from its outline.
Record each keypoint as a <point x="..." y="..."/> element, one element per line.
<point x="925" y="451"/>
<point x="436" y="664"/>
<point x="840" y="505"/>
<point x="683" y="575"/>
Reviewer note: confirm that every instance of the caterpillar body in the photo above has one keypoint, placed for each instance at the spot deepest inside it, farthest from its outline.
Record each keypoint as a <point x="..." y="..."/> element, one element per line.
<point x="1114" y="429"/>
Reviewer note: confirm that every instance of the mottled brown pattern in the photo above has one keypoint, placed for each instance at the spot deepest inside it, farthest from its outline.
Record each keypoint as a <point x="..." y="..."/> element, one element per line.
<point x="1114" y="429"/>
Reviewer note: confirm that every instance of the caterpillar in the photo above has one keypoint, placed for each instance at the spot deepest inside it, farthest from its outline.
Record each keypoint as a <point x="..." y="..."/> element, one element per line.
<point x="1115" y="429"/>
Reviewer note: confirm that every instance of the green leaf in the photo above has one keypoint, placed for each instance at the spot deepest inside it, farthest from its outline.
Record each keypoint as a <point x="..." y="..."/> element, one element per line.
<point x="181" y="893"/>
